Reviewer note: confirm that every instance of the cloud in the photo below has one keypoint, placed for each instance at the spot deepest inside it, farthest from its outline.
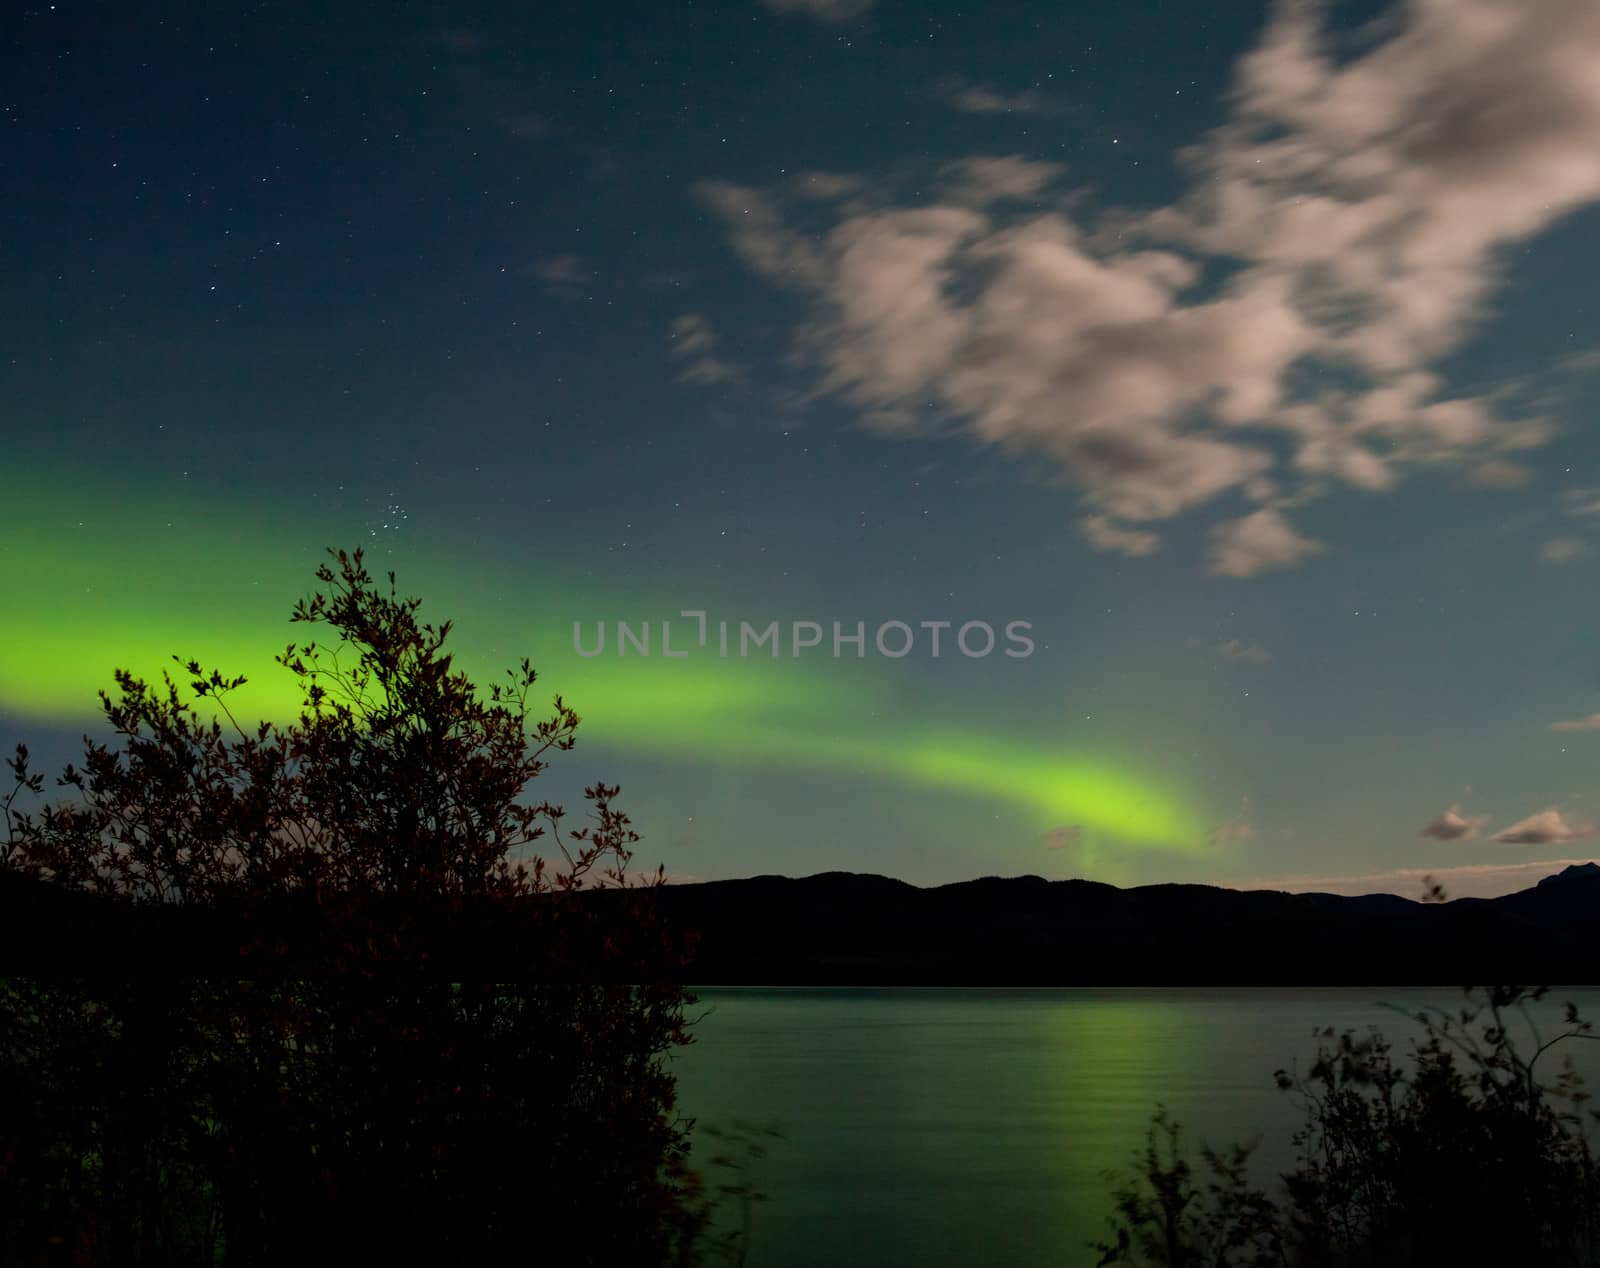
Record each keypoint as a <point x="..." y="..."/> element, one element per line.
<point x="1497" y="473"/>
<point x="826" y="185"/>
<point x="560" y="272"/>
<point x="1361" y="206"/>
<point x="976" y="99"/>
<point x="695" y="344"/>
<point x="1249" y="652"/>
<point x="822" y="10"/>
<point x="1064" y="836"/>
<point x="1563" y="550"/>
<point x="1235" y="831"/>
<point x="1386" y="183"/>
<point x="1545" y="828"/>
<point x="1258" y="541"/>
<point x="1590" y="723"/>
<point x="1582" y="502"/>
<point x="760" y="236"/>
<point x="1102" y="534"/>
<point x="692" y="335"/>
<point x="1453" y="826"/>
<point x="1056" y="351"/>
<point x="978" y="182"/>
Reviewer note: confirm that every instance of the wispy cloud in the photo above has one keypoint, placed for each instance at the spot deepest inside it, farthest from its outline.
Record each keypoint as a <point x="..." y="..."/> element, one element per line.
<point x="1255" y="542"/>
<point x="1581" y="502"/>
<point x="504" y="101"/>
<point x="1497" y="473"/>
<point x="1246" y="650"/>
<point x="1102" y="534"/>
<point x="695" y="345"/>
<point x="562" y="273"/>
<point x="1545" y="828"/>
<point x="984" y="182"/>
<point x="825" y="185"/>
<point x="977" y="99"/>
<point x="1452" y="825"/>
<point x="1364" y="205"/>
<point x="822" y="10"/>
<point x="1063" y="837"/>
<point x="1563" y="550"/>
<point x="1237" y="830"/>
<point x="1590" y="723"/>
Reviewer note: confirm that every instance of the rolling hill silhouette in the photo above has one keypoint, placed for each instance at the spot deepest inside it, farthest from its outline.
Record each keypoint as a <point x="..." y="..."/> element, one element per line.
<point x="848" y="928"/>
<point x="840" y="928"/>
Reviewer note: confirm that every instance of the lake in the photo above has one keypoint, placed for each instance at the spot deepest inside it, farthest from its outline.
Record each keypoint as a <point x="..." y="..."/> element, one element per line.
<point x="959" y="1127"/>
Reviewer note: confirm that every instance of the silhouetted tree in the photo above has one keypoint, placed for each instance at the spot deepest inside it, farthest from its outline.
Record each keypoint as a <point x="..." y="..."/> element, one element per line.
<point x="409" y="1031"/>
<point x="1467" y="1152"/>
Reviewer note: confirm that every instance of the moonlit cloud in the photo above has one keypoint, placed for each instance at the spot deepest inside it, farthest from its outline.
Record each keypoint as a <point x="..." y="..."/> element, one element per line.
<point x="1563" y="550"/>
<point x="822" y="10"/>
<point x="1261" y="540"/>
<point x="1246" y="651"/>
<point x="826" y="185"/>
<point x="695" y="344"/>
<point x="1497" y="473"/>
<point x="1385" y="183"/>
<point x="1452" y="825"/>
<point x="1363" y="205"/>
<point x="980" y="182"/>
<point x="1545" y="828"/>
<point x="976" y="99"/>
<point x="1236" y="831"/>
<point x="1102" y="534"/>
<point x="1590" y="723"/>
<point x="560" y="272"/>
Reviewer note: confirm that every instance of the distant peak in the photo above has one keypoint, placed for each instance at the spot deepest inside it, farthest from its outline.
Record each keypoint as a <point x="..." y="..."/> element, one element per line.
<point x="1577" y="871"/>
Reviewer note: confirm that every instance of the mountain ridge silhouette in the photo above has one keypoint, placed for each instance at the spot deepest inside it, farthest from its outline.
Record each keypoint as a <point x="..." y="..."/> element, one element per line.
<point x="850" y="928"/>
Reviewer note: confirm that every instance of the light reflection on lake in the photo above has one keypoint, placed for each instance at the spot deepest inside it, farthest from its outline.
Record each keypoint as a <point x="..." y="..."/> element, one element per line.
<point x="959" y="1127"/>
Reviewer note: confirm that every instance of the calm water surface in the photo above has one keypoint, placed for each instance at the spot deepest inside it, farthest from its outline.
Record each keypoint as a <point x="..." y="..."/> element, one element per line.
<point x="963" y="1127"/>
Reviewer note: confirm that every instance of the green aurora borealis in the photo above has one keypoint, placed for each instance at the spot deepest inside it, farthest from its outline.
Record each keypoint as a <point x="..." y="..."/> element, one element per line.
<point x="125" y="590"/>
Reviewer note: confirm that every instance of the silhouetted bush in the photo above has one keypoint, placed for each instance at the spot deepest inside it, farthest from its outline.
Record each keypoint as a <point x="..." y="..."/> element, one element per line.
<point x="1464" y="1153"/>
<point x="345" y="1074"/>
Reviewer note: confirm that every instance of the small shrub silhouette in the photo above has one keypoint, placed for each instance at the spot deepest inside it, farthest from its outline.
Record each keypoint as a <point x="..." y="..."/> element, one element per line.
<point x="409" y="1035"/>
<point x="1465" y="1153"/>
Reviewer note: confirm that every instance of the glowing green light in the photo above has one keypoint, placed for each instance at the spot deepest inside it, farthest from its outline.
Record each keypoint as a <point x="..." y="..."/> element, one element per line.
<point x="128" y="588"/>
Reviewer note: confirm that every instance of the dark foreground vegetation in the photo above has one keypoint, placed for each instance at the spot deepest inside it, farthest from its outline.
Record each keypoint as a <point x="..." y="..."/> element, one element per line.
<point x="1473" y="1149"/>
<point x="331" y="1086"/>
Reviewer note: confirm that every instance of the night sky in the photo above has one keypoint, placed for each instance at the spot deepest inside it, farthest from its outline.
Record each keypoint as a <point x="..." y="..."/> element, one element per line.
<point x="1248" y="353"/>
